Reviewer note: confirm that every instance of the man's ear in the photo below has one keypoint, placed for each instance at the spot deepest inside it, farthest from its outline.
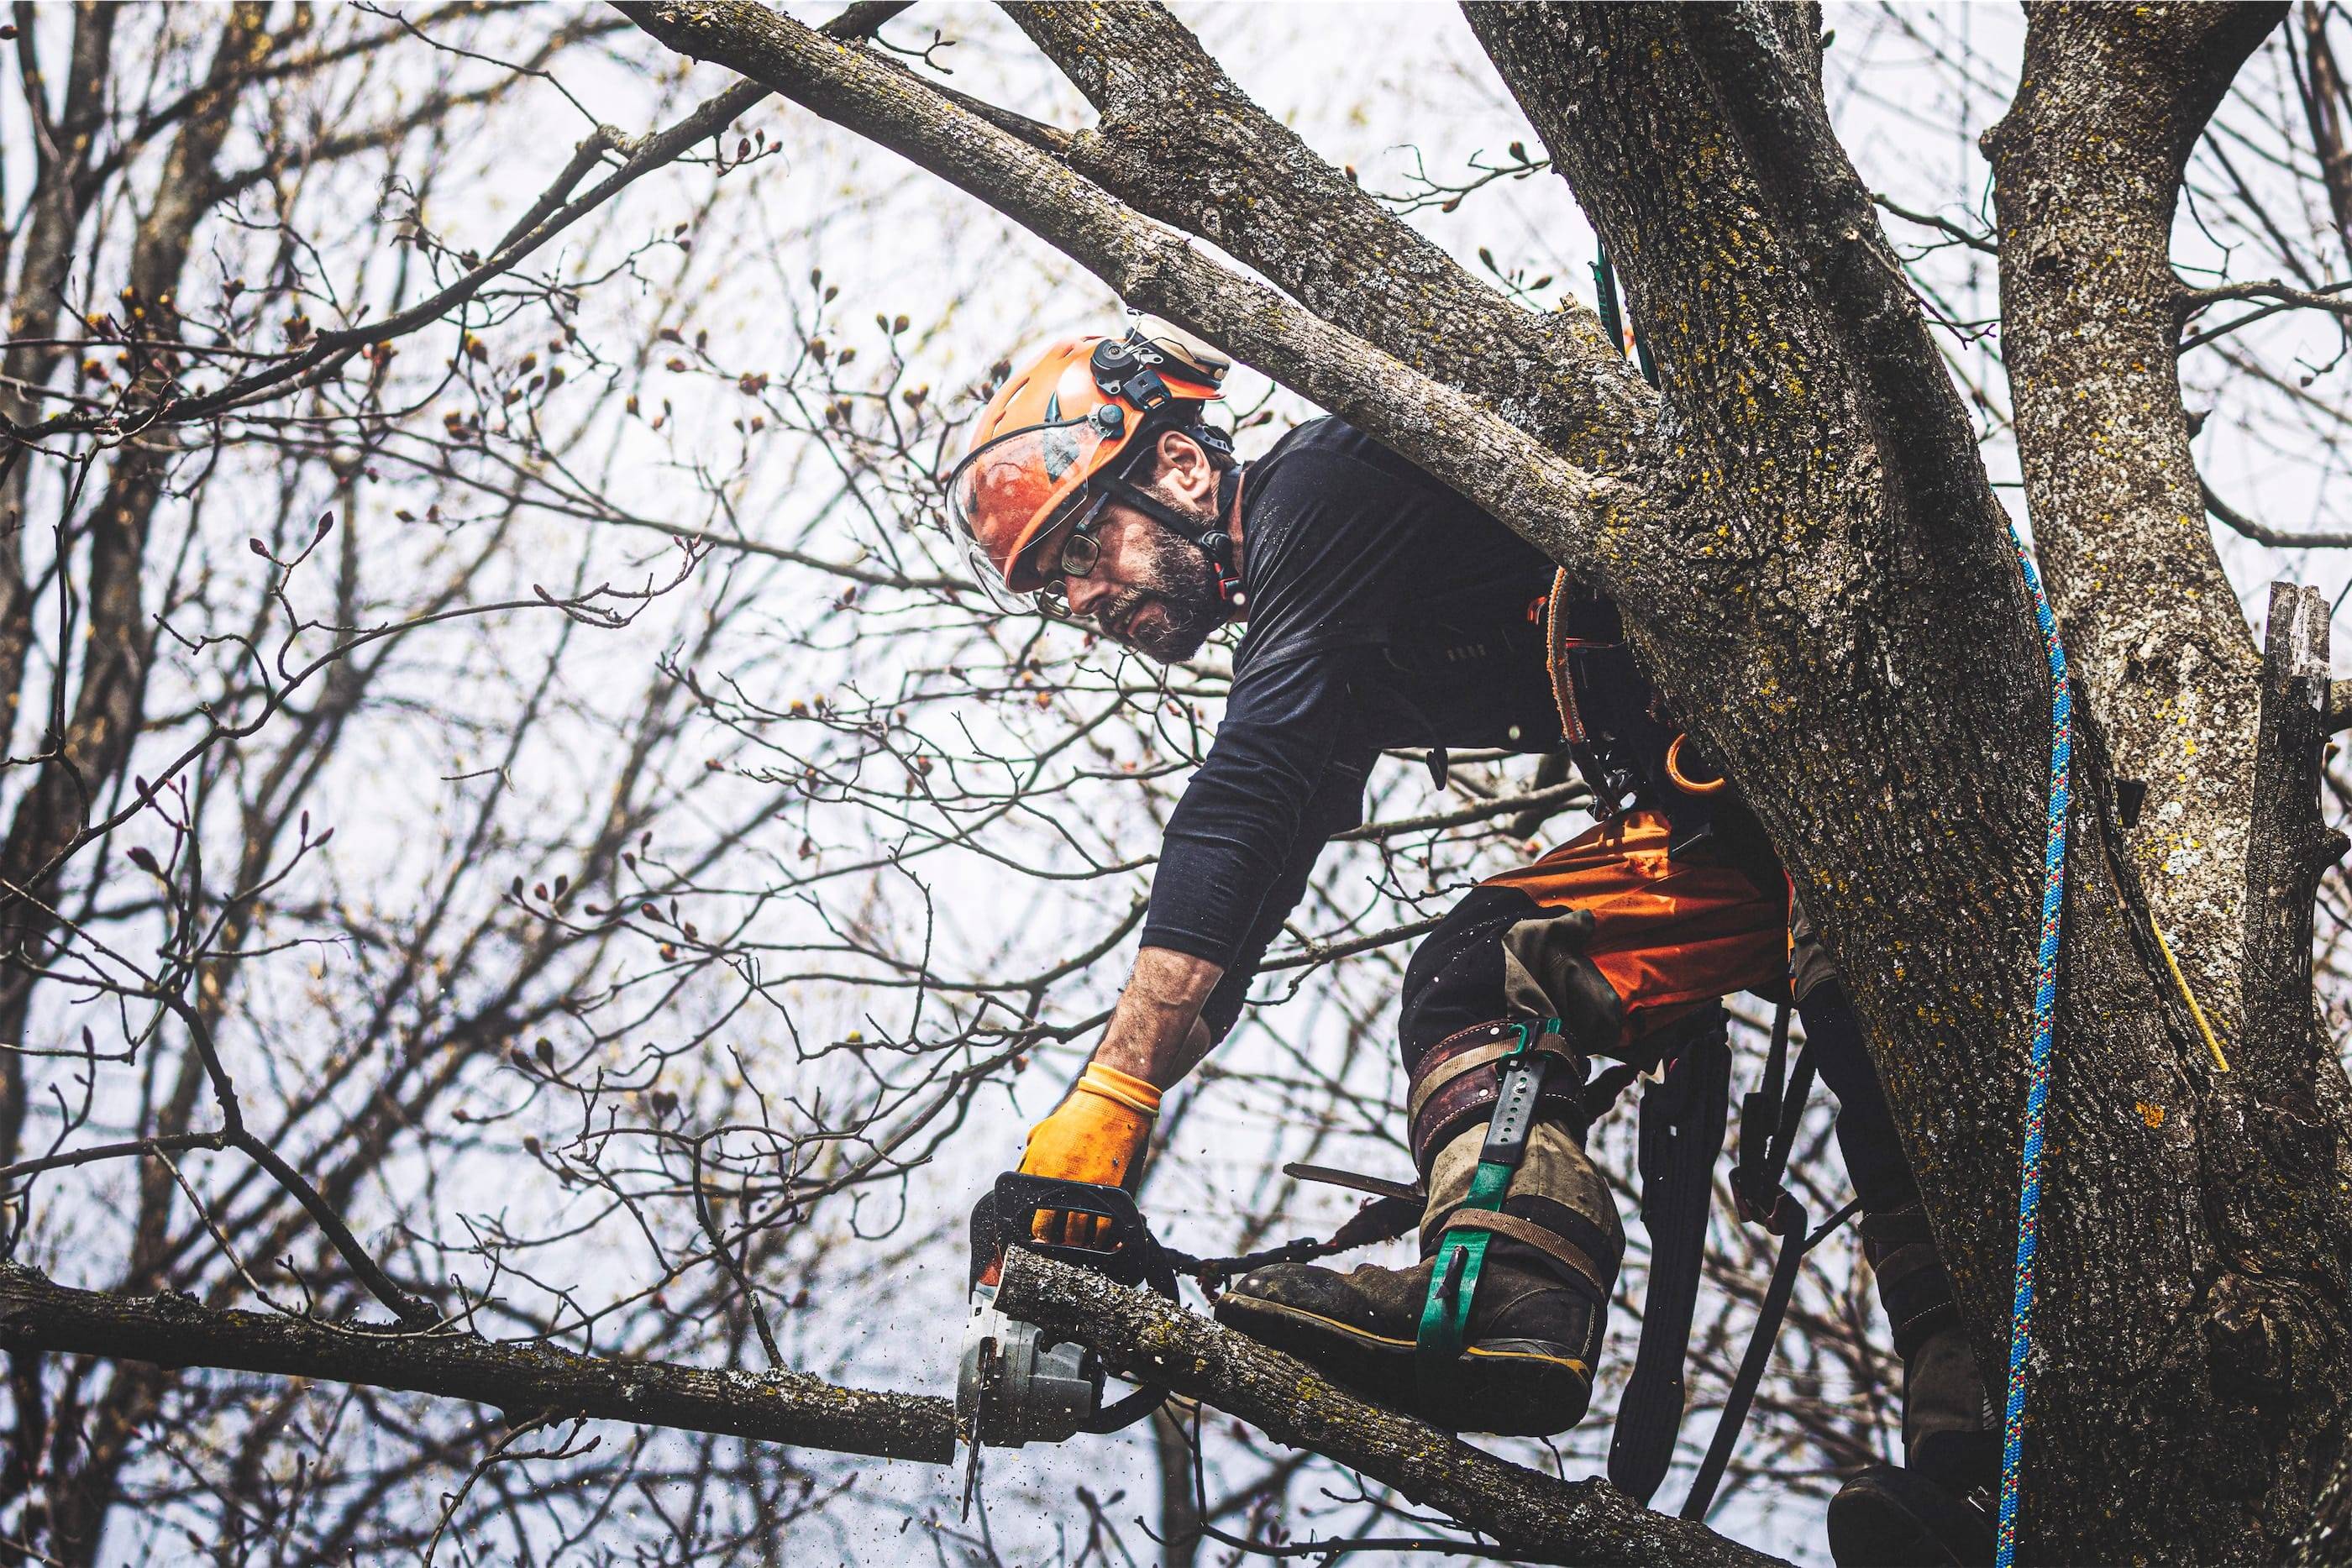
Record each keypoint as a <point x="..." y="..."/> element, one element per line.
<point x="1185" y="465"/>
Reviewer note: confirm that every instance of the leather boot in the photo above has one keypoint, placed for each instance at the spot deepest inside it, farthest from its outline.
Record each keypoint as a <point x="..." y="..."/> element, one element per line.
<point x="1536" y="1316"/>
<point x="1935" y="1510"/>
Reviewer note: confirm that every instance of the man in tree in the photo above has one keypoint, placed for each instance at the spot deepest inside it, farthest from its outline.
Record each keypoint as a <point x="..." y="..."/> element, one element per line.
<point x="1382" y="609"/>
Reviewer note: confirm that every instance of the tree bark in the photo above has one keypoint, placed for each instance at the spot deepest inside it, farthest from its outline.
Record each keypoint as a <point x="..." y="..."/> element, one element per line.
<point x="1180" y="141"/>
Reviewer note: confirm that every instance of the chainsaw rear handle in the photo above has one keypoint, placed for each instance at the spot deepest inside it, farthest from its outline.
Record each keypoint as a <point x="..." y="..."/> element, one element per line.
<point x="1006" y="1216"/>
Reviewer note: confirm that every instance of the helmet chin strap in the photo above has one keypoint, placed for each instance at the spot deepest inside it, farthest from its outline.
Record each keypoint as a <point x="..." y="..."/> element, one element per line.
<point x="1218" y="542"/>
<point x="1215" y="540"/>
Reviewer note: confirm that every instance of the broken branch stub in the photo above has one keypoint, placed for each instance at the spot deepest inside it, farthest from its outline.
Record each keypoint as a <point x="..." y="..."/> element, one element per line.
<point x="2289" y="845"/>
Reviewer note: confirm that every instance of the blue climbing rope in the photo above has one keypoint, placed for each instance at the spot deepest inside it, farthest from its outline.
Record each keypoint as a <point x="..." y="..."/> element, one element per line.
<point x="2037" y="1092"/>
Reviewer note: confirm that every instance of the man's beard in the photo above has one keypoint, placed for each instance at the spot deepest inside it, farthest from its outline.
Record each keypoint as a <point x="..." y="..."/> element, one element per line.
<point x="1174" y="598"/>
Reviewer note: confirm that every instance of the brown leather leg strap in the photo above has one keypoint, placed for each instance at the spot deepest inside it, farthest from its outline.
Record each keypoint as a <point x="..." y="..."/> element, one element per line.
<point x="1446" y="1071"/>
<point x="1457" y="1082"/>
<point x="1528" y="1233"/>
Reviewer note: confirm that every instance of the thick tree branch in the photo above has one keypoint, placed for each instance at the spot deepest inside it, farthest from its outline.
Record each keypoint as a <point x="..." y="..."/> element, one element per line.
<point x="36" y="1314"/>
<point x="2339" y="707"/>
<point x="1560" y="508"/>
<point x="2087" y="168"/>
<point x="1769" y="89"/>
<point x="1587" y="1521"/>
<point x="1181" y="143"/>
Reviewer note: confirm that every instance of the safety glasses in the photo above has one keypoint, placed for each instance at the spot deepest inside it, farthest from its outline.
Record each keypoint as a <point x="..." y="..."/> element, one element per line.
<point x="1080" y="550"/>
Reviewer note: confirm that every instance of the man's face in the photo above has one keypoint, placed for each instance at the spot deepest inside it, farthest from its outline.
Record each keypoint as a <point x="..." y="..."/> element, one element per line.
<point x="1149" y="588"/>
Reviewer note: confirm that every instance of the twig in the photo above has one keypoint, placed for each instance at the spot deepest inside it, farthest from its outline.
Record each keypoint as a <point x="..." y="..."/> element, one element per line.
<point x="2278" y="539"/>
<point x="1968" y="237"/>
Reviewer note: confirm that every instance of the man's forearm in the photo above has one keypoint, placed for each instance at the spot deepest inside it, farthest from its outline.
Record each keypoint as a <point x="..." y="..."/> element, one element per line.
<point x="1155" y="1034"/>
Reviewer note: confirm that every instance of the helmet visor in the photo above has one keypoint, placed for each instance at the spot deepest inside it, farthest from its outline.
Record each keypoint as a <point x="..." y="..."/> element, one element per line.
<point x="1008" y="494"/>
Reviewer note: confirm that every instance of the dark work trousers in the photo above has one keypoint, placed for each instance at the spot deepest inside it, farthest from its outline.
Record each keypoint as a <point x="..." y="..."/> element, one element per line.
<point x="1454" y="982"/>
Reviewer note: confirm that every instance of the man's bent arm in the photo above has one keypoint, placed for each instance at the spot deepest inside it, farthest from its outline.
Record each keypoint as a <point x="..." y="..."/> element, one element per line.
<point x="1155" y="1034"/>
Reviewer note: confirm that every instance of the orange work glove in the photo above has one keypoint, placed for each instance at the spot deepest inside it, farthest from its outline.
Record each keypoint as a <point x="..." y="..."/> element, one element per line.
<point x="1098" y="1134"/>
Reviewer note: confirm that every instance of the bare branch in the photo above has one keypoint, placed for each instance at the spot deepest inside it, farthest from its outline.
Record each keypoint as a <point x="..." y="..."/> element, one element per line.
<point x="1556" y="506"/>
<point x="2261" y="533"/>
<point x="522" y="1379"/>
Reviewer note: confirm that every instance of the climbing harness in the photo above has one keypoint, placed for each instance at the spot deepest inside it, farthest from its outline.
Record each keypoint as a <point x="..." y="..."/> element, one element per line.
<point x="1462" y="1248"/>
<point x="2037" y="1092"/>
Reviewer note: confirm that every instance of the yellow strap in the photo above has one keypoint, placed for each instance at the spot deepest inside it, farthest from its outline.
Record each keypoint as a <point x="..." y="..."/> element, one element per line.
<point x="2204" y="1026"/>
<point x="1120" y="1088"/>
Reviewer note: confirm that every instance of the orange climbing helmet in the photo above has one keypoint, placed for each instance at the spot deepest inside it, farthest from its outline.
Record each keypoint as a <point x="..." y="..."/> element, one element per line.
<point x="1052" y="438"/>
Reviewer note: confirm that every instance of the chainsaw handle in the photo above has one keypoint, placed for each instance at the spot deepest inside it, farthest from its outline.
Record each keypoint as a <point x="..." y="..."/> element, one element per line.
<point x="1124" y="1411"/>
<point x="1006" y="1217"/>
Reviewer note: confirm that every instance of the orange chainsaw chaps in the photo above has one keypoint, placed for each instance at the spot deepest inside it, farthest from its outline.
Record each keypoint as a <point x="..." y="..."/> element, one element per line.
<point x="1667" y="934"/>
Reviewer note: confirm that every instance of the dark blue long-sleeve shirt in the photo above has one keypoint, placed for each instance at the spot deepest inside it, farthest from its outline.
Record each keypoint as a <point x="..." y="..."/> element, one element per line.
<point x="1385" y="610"/>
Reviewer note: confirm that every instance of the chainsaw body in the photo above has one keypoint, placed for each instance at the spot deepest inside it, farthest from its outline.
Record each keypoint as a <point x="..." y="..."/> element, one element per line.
<point x="1017" y="1384"/>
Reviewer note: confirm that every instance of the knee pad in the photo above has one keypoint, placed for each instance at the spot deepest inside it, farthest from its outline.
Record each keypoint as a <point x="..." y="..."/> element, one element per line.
<point x="1454" y="981"/>
<point x="1498" y="952"/>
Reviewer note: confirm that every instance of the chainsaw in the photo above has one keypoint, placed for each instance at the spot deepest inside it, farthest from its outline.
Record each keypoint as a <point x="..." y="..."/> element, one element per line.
<point x="1018" y="1384"/>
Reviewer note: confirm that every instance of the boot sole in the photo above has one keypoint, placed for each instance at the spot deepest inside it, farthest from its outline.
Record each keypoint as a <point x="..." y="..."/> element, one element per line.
<point x="1513" y="1389"/>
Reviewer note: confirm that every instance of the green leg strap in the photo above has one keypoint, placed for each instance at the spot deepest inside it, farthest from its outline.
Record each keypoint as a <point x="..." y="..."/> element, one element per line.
<point x="1454" y="1283"/>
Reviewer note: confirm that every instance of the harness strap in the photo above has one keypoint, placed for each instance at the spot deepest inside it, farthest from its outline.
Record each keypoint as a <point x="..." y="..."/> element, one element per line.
<point x="1768" y="1115"/>
<point x="1470" y="1060"/>
<point x="1681" y="1133"/>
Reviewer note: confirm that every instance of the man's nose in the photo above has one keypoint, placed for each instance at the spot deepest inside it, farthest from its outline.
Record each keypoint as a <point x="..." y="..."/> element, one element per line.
<point x="1085" y="592"/>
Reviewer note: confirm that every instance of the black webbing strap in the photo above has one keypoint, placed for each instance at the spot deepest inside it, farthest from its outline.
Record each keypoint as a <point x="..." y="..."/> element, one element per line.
<point x="1682" y="1130"/>
<point x="1769" y="1116"/>
<point x="1794" y="1244"/>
